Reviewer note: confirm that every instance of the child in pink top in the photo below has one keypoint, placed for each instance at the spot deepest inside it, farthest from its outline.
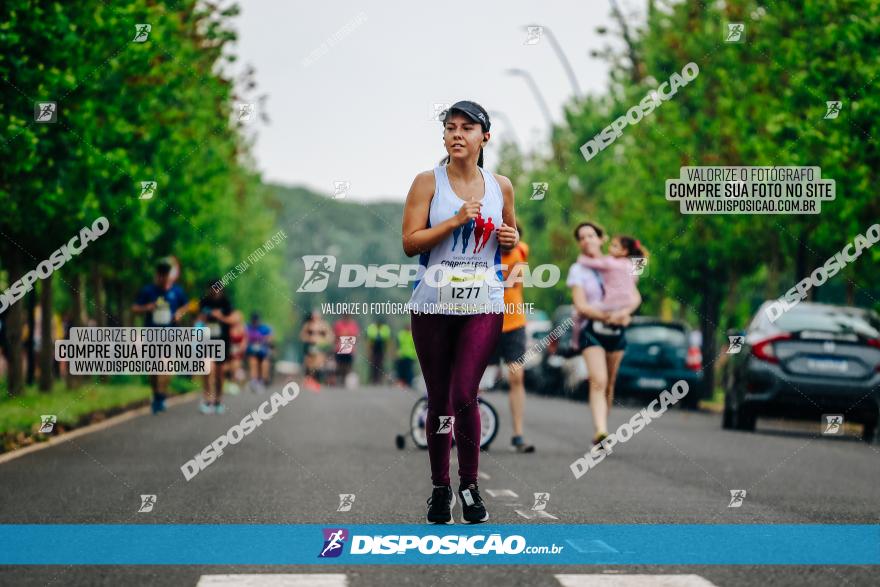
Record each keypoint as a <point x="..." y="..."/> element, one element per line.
<point x="618" y="271"/>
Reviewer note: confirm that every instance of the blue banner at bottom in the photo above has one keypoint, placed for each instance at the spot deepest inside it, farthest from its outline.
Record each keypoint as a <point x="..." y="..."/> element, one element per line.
<point x="383" y="544"/>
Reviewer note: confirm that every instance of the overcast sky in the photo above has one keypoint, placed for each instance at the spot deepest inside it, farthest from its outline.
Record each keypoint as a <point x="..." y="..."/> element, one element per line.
<point x="351" y="85"/>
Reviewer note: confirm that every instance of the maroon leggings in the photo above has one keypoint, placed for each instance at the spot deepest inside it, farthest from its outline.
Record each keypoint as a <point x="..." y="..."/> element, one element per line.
<point x="453" y="352"/>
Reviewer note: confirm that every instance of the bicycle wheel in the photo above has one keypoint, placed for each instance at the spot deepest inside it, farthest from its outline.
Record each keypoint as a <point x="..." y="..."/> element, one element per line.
<point x="488" y="423"/>
<point x="417" y="420"/>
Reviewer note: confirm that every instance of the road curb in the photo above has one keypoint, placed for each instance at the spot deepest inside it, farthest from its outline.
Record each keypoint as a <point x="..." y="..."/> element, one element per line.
<point x="89" y="428"/>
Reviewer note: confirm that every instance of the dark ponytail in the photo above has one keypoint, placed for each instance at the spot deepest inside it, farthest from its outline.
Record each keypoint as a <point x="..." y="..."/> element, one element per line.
<point x="634" y="247"/>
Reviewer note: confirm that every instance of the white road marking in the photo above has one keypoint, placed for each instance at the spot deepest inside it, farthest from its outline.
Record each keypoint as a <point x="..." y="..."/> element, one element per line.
<point x="633" y="581"/>
<point x="532" y="514"/>
<point x="483" y="475"/>
<point x="270" y="580"/>
<point x="585" y="546"/>
<point x="501" y="493"/>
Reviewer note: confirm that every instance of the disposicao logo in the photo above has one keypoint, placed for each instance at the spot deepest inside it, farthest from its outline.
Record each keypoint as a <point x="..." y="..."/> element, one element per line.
<point x="397" y="544"/>
<point x="334" y="541"/>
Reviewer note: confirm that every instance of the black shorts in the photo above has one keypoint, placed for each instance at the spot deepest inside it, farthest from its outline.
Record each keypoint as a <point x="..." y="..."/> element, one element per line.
<point x="511" y="347"/>
<point x="599" y="334"/>
<point x="344" y="358"/>
<point x="226" y="347"/>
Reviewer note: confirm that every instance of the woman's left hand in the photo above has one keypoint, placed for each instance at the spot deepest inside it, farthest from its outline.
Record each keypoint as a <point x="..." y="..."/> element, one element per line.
<point x="619" y="318"/>
<point x="507" y="236"/>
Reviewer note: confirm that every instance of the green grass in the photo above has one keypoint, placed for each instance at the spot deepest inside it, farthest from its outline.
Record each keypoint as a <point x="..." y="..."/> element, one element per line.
<point x="22" y="413"/>
<point x="717" y="399"/>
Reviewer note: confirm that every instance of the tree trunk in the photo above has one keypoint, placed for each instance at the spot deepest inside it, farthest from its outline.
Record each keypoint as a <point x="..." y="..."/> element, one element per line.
<point x="803" y="257"/>
<point x="29" y="344"/>
<point x="120" y="302"/>
<point x="75" y="320"/>
<point x="109" y="302"/>
<point x="709" y="312"/>
<point x="771" y="289"/>
<point x="97" y="289"/>
<point x="14" y="326"/>
<point x="730" y="302"/>
<point x="47" y="344"/>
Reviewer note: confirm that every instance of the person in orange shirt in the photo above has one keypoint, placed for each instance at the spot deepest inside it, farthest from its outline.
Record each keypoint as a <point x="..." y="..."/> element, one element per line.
<point x="512" y="346"/>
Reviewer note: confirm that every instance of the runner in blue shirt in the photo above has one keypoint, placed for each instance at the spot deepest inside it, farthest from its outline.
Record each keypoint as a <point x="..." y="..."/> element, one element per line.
<point x="162" y="303"/>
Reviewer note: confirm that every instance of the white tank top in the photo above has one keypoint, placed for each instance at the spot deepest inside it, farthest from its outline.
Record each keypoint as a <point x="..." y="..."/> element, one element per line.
<point x="462" y="274"/>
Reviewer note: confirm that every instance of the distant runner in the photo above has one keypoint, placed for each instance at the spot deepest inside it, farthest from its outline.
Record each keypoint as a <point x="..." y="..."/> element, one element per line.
<point x="512" y="347"/>
<point x="163" y="304"/>
<point x="259" y="340"/>
<point x="215" y="313"/>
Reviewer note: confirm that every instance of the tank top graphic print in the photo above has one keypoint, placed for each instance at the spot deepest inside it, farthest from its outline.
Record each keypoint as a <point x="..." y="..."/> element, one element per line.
<point x="462" y="273"/>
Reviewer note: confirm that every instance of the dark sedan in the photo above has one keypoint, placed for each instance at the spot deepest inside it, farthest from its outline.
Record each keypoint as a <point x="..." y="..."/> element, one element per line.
<point x="658" y="353"/>
<point x="814" y="359"/>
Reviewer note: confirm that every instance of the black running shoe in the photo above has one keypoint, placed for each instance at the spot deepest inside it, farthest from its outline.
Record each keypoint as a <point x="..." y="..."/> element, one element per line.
<point x="521" y="446"/>
<point x="472" y="509"/>
<point x="440" y="505"/>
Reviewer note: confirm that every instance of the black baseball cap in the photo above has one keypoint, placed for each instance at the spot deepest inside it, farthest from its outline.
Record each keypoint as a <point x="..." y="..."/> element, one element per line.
<point x="470" y="109"/>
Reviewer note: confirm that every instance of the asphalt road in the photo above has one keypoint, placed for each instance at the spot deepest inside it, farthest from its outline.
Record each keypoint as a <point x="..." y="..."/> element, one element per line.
<point x="679" y="469"/>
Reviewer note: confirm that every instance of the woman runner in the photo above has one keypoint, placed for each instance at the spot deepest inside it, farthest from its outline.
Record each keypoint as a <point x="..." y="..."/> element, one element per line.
<point x="457" y="304"/>
<point x="602" y="339"/>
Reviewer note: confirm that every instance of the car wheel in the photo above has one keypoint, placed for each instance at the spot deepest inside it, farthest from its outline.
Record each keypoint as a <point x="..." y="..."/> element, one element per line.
<point x="727" y="418"/>
<point x="869" y="433"/>
<point x="691" y="402"/>
<point x="745" y="418"/>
